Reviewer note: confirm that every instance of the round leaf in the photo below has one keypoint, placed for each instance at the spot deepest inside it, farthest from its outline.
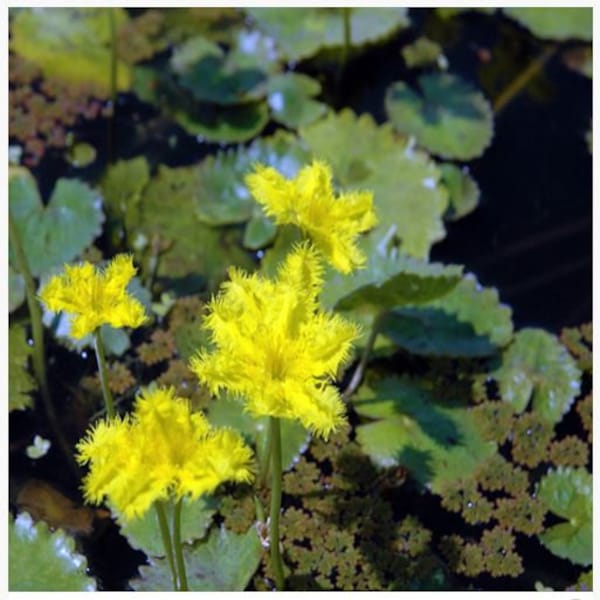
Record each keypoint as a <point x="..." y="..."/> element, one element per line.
<point x="289" y="98"/>
<point x="555" y="23"/>
<point x="449" y="118"/>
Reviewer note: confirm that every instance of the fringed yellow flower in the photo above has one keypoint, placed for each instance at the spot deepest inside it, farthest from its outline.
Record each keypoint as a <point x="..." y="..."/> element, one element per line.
<point x="309" y="202"/>
<point x="275" y="348"/>
<point x="161" y="451"/>
<point x="94" y="297"/>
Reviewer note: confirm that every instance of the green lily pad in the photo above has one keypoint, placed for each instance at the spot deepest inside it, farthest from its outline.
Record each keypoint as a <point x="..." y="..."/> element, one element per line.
<point x="290" y="99"/>
<point x="568" y="493"/>
<point x="227" y="412"/>
<point x="537" y="367"/>
<point x="80" y="154"/>
<point x="168" y="209"/>
<point x="408" y="197"/>
<point x="16" y="289"/>
<point x="57" y="233"/>
<point x="41" y="561"/>
<point x="422" y="52"/>
<point x="225" y="561"/>
<point x="438" y="444"/>
<point x="20" y="382"/>
<point x="71" y="44"/>
<point x="433" y="332"/>
<point x="302" y="32"/>
<point x="555" y="23"/>
<point x="450" y="117"/>
<point x="463" y="191"/>
<point x="191" y="50"/>
<point x="144" y="533"/>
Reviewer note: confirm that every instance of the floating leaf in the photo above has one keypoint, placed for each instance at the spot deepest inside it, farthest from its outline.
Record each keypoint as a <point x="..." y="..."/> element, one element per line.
<point x="302" y="32"/>
<point x="290" y="99"/>
<point x="57" y="233"/>
<point x="20" y="381"/>
<point x="450" y="118"/>
<point x="260" y="230"/>
<point x="405" y="182"/>
<point x="16" y="289"/>
<point x="433" y="332"/>
<point x="567" y="493"/>
<point x="80" y="154"/>
<point x="463" y="191"/>
<point x="422" y="52"/>
<point x="71" y="44"/>
<point x="227" y="412"/>
<point x="537" y="366"/>
<point x="555" y="23"/>
<point x="144" y="533"/>
<point x="43" y="561"/>
<point x="225" y="561"/>
<point x="438" y="444"/>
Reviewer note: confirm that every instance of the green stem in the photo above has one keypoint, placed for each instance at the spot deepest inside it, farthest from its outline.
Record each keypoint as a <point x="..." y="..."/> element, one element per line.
<point x="347" y="36"/>
<point x="113" y="82"/>
<point x="264" y="467"/>
<point x="103" y="373"/>
<point x="517" y="84"/>
<point x="38" y="357"/>
<point x="166" y="538"/>
<point x="183" y="585"/>
<point x="364" y="359"/>
<point x="276" y="563"/>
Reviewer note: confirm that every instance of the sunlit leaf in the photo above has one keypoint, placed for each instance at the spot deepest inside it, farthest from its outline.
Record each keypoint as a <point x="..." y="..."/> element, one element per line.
<point x="290" y="99"/>
<point x="422" y="52"/>
<point x="72" y="44"/>
<point x="54" y="234"/>
<point x="405" y="183"/>
<point x="537" y="367"/>
<point x="225" y="561"/>
<point x="438" y="444"/>
<point x="449" y="117"/>
<point x="20" y="382"/>
<point x="554" y="23"/>
<point x="568" y="493"/>
<point x="43" y="561"/>
<point x="463" y="191"/>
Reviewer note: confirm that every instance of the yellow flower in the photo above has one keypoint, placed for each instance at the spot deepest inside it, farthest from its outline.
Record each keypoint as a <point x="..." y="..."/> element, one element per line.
<point x="274" y="347"/>
<point x="94" y="297"/>
<point x="162" y="451"/>
<point x="308" y="201"/>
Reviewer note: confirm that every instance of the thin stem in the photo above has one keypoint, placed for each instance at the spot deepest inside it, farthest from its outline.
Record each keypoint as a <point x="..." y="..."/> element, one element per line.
<point x="113" y="82"/>
<point x="276" y="563"/>
<point x="166" y="538"/>
<point x="517" y="84"/>
<point x="38" y="357"/>
<point x="264" y="467"/>
<point x="183" y="585"/>
<point x="103" y="373"/>
<point x="347" y="36"/>
<point x="364" y="359"/>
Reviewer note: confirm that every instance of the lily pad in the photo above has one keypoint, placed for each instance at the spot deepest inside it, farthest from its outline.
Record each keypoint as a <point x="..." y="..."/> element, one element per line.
<point x="144" y="533"/>
<point x="422" y="52"/>
<point x="405" y="183"/>
<point x="71" y="44"/>
<point x="20" y="382"/>
<point x="225" y="561"/>
<point x="16" y="289"/>
<point x="228" y="412"/>
<point x="567" y="492"/>
<point x="555" y="23"/>
<point x="42" y="561"/>
<point x="302" y="32"/>
<point x="290" y="99"/>
<point x="450" y="117"/>
<point x="462" y="189"/>
<point x="537" y="367"/>
<point x="433" y="332"/>
<point x="57" y="233"/>
<point x="438" y="444"/>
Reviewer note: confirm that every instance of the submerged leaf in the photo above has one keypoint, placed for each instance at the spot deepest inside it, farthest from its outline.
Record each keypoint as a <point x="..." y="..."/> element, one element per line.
<point x="43" y="561"/>
<point x="449" y="118"/>
<point x="567" y="493"/>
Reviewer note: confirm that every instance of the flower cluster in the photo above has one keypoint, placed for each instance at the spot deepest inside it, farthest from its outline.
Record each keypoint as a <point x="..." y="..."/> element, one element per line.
<point x="163" y="450"/>
<point x="308" y="201"/>
<point x="94" y="298"/>
<point x="275" y="347"/>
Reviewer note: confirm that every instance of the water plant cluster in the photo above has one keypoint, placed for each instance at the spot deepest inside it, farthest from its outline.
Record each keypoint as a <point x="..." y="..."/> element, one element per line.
<point x="233" y="363"/>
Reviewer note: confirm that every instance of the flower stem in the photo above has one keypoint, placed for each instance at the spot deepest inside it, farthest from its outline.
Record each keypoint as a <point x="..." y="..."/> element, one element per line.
<point x="166" y="538"/>
<point x="276" y="563"/>
<point x="113" y="82"/>
<point x="264" y="467"/>
<point x="183" y="586"/>
<point x="103" y="373"/>
<point x="347" y="35"/>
